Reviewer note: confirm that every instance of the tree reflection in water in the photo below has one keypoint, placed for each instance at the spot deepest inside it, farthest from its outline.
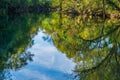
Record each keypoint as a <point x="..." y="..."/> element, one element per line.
<point x="16" y="34"/>
<point x="91" y="40"/>
<point x="93" y="43"/>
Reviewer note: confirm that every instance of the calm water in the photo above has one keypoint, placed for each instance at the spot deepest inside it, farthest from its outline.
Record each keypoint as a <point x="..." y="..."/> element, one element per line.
<point x="56" y="46"/>
<point x="48" y="63"/>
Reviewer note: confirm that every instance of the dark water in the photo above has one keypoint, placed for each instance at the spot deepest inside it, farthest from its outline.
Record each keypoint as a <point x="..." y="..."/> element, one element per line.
<point x="57" y="46"/>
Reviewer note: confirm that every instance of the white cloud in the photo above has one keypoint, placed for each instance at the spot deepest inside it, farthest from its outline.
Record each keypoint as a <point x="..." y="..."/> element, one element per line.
<point x="46" y="56"/>
<point x="30" y="75"/>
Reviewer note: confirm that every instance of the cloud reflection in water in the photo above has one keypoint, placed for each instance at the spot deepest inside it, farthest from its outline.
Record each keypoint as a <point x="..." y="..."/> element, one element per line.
<point x="48" y="63"/>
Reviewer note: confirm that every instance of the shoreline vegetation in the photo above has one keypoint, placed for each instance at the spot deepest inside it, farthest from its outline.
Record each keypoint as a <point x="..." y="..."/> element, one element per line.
<point x="9" y="8"/>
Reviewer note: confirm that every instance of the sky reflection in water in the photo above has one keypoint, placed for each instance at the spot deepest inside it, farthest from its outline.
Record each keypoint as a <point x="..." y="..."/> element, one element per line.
<point x="48" y="63"/>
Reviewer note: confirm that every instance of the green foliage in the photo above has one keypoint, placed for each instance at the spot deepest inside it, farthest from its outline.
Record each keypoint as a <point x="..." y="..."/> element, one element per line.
<point x="16" y="36"/>
<point x="16" y="33"/>
<point x="86" y="38"/>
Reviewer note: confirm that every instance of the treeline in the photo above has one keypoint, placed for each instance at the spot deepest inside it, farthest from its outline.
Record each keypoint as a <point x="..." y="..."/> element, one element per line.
<point x="89" y="7"/>
<point x="21" y="6"/>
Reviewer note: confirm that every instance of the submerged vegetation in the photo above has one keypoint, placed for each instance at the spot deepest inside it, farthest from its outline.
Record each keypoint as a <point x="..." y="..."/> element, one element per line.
<point x="86" y="30"/>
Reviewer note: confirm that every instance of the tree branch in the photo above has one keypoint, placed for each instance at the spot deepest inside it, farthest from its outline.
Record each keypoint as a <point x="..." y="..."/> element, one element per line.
<point x="95" y="39"/>
<point x="97" y="66"/>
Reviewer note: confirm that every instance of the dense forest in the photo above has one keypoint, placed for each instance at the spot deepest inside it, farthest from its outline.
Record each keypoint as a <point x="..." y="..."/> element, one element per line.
<point x="86" y="30"/>
<point x="110" y="8"/>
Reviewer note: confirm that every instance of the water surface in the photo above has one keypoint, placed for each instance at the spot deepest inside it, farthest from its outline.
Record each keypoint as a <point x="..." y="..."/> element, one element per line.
<point x="57" y="46"/>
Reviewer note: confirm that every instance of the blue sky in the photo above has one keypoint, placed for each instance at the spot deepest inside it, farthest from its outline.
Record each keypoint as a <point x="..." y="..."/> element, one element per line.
<point x="48" y="63"/>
